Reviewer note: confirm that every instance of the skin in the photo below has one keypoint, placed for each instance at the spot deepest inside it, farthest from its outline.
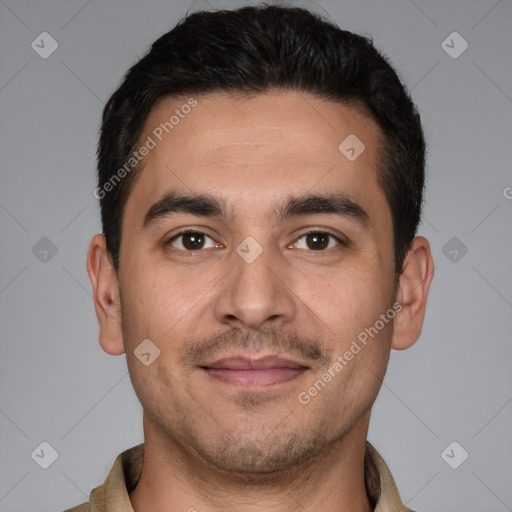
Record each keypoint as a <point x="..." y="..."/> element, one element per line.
<point x="209" y="445"/>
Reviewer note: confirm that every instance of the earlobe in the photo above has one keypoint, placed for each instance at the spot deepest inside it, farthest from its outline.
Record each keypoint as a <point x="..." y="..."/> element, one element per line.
<point x="106" y="296"/>
<point x="413" y="287"/>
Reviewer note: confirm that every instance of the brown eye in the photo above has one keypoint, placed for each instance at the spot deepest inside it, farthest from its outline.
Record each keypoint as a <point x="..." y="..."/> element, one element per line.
<point x="317" y="241"/>
<point x="192" y="241"/>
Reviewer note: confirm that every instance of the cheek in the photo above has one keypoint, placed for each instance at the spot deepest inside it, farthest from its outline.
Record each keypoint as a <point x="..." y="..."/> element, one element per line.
<point x="349" y="302"/>
<point x="154" y="385"/>
<point x="160" y="303"/>
<point x="143" y="309"/>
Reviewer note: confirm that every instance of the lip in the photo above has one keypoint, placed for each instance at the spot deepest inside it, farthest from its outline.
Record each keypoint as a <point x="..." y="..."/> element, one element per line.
<point x="254" y="373"/>
<point x="251" y="363"/>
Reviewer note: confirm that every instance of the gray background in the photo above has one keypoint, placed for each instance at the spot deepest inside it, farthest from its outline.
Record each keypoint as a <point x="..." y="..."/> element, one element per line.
<point x="58" y="386"/>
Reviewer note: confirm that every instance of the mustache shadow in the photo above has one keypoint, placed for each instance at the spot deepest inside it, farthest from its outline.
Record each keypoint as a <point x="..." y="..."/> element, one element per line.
<point x="275" y="341"/>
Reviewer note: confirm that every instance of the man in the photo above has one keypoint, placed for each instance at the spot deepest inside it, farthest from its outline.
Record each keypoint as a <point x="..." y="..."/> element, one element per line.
<point x="260" y="175"/>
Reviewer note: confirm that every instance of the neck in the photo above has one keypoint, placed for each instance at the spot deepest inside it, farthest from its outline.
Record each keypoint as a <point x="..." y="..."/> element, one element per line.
<point x="174" y="479"/>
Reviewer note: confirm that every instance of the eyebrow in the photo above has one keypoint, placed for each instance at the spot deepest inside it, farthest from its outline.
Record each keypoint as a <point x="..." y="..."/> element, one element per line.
<point x="202" y="205"/>
<point x="205" y="205"/>
<point x="312" y="204"/>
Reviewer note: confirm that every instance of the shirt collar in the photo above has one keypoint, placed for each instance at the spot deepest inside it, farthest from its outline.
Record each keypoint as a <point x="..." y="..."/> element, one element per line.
<point x="113" y="494"/>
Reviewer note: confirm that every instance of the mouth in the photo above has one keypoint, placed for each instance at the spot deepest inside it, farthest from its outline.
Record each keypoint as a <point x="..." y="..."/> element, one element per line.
<point x="248" y="372"/>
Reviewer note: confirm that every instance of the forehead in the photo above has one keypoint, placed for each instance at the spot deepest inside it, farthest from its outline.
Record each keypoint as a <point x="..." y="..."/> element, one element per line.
<point x="254" y="150"/>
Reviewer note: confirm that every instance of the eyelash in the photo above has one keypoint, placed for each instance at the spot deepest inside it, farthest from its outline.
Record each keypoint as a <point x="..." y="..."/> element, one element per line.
<point x="340" y="241"/>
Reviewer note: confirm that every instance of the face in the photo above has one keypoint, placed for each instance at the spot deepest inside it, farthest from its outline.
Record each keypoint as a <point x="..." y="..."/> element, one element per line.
<point x="255" y="255"/>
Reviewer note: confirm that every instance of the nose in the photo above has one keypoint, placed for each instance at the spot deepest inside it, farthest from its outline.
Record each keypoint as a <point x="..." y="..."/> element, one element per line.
<point x="256" y="295"/>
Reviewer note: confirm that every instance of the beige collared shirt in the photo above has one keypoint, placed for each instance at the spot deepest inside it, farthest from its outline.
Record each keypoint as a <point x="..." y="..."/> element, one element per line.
<point x="113" y="494"/>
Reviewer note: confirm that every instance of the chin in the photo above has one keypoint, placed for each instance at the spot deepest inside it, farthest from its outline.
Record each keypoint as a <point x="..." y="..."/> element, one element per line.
<point x="257" y="455"/>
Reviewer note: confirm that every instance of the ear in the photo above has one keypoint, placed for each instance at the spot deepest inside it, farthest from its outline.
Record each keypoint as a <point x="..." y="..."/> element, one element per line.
<point x="106" y="295"/>
<point x="413" y="287"/>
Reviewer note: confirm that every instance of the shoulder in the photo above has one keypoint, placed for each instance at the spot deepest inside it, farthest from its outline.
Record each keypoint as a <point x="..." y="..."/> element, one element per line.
<point x="84" y="507"/>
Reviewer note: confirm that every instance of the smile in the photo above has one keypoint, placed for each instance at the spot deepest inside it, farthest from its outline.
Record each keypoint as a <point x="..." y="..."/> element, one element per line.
<point x="254" y="373"/>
